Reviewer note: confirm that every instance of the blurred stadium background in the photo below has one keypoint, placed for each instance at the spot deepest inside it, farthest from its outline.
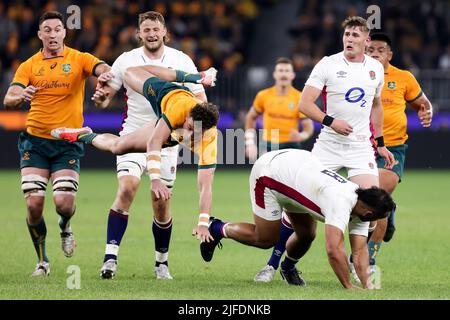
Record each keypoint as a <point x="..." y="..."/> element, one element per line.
<point x="242" y="39"/>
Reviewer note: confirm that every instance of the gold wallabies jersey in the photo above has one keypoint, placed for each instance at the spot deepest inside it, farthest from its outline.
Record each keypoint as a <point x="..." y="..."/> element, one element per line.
<point x="60" y="82"/>
<point x="400" y="86"/>
<point x="175" y="107"/>
<point x="279" y="113"/>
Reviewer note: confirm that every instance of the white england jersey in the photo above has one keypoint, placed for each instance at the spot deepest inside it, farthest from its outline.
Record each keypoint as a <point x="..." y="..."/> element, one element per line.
<point x="296" y="181"/>
<point x="348" y="90"/>
<point x="139" y="110"/>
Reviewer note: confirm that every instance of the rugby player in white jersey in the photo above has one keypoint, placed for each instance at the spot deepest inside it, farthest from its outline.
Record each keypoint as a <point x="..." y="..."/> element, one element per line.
<point x="350" y="83"/>
<point x="296" y="182"/>
<point x="139" y="113"/>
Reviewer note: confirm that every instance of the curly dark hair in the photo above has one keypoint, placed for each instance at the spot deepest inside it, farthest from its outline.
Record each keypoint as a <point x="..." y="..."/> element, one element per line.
<point x="379" y="200"/>
<point x="207" y="113"/>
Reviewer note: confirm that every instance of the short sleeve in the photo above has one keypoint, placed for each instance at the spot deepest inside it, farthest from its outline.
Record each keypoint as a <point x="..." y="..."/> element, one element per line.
<point x="118" y="70"/>
<point x="258" y="103"/>
<point x="334" y="218"/>
<point x="89" y="63"/>
<point x="380" y="83"/>
<point x="413" y="89"/>
<point x="22" y="75"/>
<point x="208" y="151"/>
<point x="318" y="77"/>
<point x="358" y="227"/>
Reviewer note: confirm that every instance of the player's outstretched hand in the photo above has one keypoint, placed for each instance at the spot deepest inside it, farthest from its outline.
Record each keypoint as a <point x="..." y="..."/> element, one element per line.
<point x="341" y="127"/>
<point x="388" y="157"/>
<point x="202" y="234"/>
<point x="209" y="77"/>
<point x="160" y="190"/>
<point x="425" y="115"/>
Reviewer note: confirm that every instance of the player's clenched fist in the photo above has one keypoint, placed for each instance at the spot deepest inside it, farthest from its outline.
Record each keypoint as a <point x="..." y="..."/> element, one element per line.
<point x="29" y="92"/>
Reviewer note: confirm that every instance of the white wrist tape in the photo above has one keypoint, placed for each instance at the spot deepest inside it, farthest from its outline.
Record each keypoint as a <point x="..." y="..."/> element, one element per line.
<point x="203" y="219"/>
<point x="304" y="135"/>
<point x="250" y="136"/>
<point x="154" y="164"/>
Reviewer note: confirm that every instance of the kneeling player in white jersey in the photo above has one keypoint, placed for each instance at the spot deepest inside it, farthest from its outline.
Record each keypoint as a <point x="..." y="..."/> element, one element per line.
<point x="130" y="167"/>
<point x="294" y="181"/>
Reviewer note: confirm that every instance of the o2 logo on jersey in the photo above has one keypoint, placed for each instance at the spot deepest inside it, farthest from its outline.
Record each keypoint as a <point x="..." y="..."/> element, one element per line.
<point x="351" y="98"/>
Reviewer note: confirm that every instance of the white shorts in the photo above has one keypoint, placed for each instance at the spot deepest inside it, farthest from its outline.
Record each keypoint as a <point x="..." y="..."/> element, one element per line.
<point x="264" y="201"/>
<point x="134" y="164"/>
<point x="357" y="159"/>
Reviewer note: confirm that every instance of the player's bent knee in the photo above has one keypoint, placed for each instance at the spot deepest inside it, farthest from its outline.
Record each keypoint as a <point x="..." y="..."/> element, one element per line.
<point x="34" y="185"/>
<point x="65" y="185"/>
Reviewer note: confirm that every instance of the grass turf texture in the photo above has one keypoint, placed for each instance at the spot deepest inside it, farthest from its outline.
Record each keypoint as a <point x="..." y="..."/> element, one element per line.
<point x="414" y="264"/>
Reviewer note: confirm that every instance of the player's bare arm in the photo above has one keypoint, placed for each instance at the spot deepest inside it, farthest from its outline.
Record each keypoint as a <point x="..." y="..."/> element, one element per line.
<point x="204" y="181"/>
<point x="337" y="256"/>
<point x="307" y="131"/>
<point x="154" y="146"/>
<point x="16" y="95"/>
<point x="251" y="150"/>
<point x="136" y="76"/>
<point x="377" y="121"/>
<point x="309" y="108"/>
<point x="424" y="110"/>
<point x="360" y="257"/>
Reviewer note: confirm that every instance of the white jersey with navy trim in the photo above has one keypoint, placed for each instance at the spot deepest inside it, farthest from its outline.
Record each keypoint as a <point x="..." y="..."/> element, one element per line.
<point x="296" y="181"/>
<point x="139" y="110"/>
<point x="348" y="91"/>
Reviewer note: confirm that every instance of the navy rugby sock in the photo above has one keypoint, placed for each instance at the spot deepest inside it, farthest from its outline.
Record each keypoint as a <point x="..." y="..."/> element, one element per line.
<point x="280" y="247"/>
<point x="117" y="224"/>
<point x="161" y="234"/>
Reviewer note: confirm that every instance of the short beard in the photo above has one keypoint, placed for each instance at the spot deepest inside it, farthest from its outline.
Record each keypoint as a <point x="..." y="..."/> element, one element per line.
<point x="153" y="49"/>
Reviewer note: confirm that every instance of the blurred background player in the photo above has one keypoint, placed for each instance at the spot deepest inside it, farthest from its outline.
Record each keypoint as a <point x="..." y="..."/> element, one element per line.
<point x="182" y="118"/>
<point x="400" y="88"/>
<point x="53" y="81"/>
<point x="278" y="105"/>
<point x="295" y="182"/>
<point x="153" y="35"/>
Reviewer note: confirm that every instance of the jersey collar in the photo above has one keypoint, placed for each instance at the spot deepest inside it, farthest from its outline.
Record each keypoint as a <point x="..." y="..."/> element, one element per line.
<point x="148" y="59"/>
<point x="63" y="54"/>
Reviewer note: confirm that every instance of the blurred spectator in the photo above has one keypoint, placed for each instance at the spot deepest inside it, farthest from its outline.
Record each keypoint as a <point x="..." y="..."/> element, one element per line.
<point x="420" y="30"/>
<point x="212" y="33"/>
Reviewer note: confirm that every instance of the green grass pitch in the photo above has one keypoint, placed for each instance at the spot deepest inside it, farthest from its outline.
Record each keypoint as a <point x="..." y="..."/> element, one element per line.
<point x="414" y="265"/>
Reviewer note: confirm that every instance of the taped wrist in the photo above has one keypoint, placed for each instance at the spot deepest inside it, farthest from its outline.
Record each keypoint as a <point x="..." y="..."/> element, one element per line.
<point x="154" y="164"/>
<point x="203" y="219"/>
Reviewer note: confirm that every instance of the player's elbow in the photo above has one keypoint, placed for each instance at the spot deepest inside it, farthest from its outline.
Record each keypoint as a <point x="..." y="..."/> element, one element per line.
<point x="128" y="75"/>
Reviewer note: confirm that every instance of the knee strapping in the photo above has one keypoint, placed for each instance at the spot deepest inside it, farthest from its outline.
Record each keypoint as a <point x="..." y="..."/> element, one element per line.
<point x="129" y="168"/>
<point x="65" y="185"/>
<point x="33" y="184"/>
